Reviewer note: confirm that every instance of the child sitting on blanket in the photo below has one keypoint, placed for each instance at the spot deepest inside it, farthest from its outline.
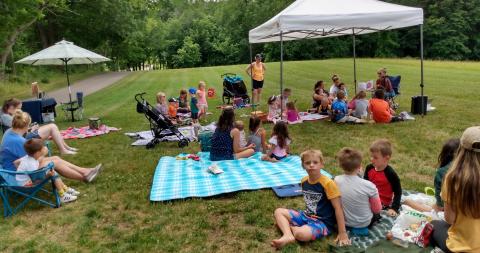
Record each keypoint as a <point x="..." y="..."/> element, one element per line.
<point x="343" y="87"/>
<point x="242" y="140"/>
<point x="183" y="102"/>
<point x="360" y="202"/>
<point x="257" y="135"/>
<point x="384" y="177"/>
<point x="172" y="108"/>
<point x="273" y="109"/>
<point x="292" y="114"/>
<point x="282" y="100"/>
<point x="35" y="152"/>
<point x="162" y="104"/>
<point x="340" y="113"/>
<point x="359" y="105"/>
<point x="323" y="208"/>
<point x="280" y="143"/>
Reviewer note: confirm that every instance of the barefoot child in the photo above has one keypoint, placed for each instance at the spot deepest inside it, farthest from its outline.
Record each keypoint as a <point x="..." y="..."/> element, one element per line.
<point x="384" y="177"/>
<point x="360" y="198"/>
<point x="323" y="208"/>
<point x="36" y="151"/>
<point x="280" y="143"/>
<point x="202" y="99"/>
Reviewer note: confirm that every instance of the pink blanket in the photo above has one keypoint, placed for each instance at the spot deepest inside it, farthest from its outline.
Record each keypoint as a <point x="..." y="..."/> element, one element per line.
<point x="86" y="132"/>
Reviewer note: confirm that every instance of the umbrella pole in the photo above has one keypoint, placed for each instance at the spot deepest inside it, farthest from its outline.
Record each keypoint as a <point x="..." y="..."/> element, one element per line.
<point x="69" y="89"/>
<point x="281" y="75"/>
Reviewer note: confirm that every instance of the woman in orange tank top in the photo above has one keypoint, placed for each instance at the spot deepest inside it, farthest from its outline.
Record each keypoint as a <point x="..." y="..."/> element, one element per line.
<point x="256" y="70"/>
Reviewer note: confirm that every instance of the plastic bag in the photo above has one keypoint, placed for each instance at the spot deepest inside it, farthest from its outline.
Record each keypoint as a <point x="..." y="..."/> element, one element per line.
<point x="409" y="225"/>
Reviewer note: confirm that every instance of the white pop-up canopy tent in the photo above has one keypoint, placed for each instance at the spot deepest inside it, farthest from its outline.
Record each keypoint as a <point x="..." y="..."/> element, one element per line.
<point x="310" y="19"/>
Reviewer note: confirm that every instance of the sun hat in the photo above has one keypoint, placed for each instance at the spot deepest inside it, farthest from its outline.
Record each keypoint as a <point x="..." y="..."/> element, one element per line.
<point x="470" y="137"/>
<point x="192" y="90"/>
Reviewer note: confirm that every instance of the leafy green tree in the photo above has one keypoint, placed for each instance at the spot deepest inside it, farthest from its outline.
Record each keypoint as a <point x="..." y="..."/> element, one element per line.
<point x="188" y="55"/>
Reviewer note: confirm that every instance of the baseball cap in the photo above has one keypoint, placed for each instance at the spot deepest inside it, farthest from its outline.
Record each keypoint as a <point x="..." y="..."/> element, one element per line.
<point x="192" y="90"/>
<point x="470" y="137"/>
<point x="172" y="99"/>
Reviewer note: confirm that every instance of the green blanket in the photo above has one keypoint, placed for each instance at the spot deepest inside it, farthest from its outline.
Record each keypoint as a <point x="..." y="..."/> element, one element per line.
<point x="376" y="242"/>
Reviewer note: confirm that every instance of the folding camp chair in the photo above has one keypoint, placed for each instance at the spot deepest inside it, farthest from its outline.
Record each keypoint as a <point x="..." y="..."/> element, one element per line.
<point x="15" y="197"/>
<point x="395" y="80"/>
<point x="75" y="106"/>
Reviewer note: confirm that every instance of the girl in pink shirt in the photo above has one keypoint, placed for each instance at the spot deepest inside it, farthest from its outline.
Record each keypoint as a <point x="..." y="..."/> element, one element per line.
<point x="280" y="143"/>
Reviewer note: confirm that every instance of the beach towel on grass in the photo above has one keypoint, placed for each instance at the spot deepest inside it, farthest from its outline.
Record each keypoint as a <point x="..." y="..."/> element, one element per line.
<point x="178" y="179"/>
<point x="86" y="132"/>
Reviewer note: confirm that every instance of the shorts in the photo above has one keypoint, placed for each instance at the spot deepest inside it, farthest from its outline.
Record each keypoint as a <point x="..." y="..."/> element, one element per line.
<point x="257" y="84"/>
<point x="33" y="135"/>
<point x="194" y="115"/>
<point x="277" y="157"/>
<point x="299" y="218"/>
<point x="202" y="107"/>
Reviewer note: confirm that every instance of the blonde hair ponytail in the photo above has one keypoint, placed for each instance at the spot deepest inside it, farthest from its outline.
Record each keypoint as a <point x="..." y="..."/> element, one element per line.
<point x="21" y="120"/>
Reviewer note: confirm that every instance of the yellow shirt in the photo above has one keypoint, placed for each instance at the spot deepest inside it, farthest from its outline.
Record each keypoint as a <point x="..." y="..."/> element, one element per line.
<point x="464" y="234"/>
<point x="257" y="71"/>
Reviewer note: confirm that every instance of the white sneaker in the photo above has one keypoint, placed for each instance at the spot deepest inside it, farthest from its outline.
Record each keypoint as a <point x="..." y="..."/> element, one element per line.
<point x="67" y="198"/>
<point x="72" y="191"/>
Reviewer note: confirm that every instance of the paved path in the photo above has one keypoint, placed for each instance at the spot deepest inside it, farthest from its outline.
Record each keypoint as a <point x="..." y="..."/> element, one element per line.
<point x="88" y="86"/>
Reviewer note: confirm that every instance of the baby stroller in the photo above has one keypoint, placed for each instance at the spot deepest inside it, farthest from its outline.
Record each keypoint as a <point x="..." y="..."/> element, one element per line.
<point x="234" y="87"/>
<point x="160" y="125"/>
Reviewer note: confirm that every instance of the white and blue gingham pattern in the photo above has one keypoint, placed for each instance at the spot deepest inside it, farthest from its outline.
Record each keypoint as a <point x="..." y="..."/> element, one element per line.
<point x="178" y="179"/>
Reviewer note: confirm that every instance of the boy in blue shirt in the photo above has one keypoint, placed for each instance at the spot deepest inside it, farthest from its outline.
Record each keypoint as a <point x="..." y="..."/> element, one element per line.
<point x="324" y="208"/>
<point x="340" y="113"/>
<point x="194" y="105"/>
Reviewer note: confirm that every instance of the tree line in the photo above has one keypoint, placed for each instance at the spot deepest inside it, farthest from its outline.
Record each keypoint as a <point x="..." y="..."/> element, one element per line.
<point x="193" y="33"/>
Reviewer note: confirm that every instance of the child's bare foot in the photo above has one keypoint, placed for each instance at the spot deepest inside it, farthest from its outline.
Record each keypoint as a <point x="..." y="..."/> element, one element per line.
<point x="68" y="152"/>
<point x="284" y="240"/>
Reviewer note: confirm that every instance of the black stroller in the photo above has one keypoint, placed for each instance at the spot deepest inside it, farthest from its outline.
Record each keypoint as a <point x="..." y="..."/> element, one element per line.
<point x="234" y="87"/>
<point x="160" y="125"/>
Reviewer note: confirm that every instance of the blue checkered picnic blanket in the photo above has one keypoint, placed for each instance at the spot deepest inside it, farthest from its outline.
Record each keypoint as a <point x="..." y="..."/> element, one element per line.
<point x="178" y="179"/>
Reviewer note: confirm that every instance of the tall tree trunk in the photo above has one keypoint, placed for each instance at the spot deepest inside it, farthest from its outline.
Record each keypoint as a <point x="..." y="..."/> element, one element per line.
<point x="8" y="45"/>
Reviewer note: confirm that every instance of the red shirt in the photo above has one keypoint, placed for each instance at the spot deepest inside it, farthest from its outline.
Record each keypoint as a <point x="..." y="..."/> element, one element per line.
<point x="384" y="187"/>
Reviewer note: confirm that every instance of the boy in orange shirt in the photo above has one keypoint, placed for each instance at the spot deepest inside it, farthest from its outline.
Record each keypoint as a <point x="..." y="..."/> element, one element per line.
<point x="380" y="109"/>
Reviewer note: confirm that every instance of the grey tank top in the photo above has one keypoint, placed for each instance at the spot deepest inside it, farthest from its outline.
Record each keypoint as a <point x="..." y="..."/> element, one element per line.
<point x="257" y="140"/>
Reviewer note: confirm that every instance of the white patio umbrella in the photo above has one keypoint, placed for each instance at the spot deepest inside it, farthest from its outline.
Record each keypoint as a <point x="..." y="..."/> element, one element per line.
<point x="63" y="53"/>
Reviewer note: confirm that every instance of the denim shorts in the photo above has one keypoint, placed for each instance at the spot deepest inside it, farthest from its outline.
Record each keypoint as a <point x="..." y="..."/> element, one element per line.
<point x="33" y="135"/>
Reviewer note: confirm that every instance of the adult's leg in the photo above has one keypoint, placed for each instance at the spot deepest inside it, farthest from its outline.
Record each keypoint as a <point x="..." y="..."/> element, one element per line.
<point x="52" y="130"/>
<point x="259" y="95"/>
<point x="282" y="218"/>
<point x="440" y="235"/>
<point x="67" y="169"/>
<point x="254" y="95"/>
<point x="245" y="154"/>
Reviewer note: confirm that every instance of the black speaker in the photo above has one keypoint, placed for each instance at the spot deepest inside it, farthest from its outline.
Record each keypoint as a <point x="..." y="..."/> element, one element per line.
<point x="417" y="104"/>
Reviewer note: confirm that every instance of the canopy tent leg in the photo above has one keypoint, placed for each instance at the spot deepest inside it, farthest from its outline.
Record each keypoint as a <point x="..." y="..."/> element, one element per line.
<point x="281" y="75"/>
<point x="251" y="76"/>
<point x="68" y="84"/>
<point x="354" y="62"/>
<point x="421" y="69"/>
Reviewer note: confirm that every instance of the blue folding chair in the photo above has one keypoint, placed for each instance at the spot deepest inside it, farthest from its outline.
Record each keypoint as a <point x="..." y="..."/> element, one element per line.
<point x="395" y="80"/>
<point x="15" y="197"/>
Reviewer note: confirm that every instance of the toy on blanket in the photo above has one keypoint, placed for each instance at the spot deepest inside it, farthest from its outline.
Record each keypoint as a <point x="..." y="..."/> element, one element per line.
<point x="214" y="169"/>
<point x="190" y="156"/>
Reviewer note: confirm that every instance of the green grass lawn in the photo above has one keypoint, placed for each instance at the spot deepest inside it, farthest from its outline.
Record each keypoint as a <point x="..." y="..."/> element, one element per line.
<point x="114" y="213"/>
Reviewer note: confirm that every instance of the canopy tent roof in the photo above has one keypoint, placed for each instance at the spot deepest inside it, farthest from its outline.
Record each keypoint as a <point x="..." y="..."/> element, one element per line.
<point x="309" y="19"/>
<point x="63" y="51"/>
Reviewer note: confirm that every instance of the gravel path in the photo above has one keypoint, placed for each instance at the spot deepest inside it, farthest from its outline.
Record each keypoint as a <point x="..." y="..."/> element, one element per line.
<point x="88" y="86"/>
